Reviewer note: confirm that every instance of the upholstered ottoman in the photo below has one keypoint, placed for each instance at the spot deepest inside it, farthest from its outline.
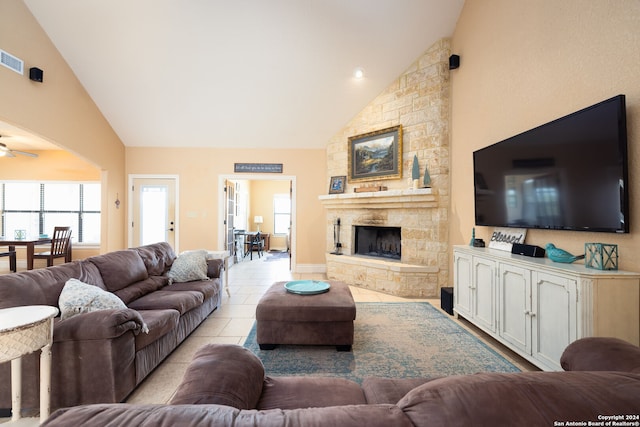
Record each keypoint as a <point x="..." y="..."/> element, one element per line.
<point x="322" y="319"/>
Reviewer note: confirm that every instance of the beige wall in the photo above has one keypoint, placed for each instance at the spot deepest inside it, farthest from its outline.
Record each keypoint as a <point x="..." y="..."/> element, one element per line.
<point x="199" y="170"/>
<point x="526" y="63"/>
<point x="57" y="165"/>
<point x="261" y="203"/>
<point x="60" y="111"/>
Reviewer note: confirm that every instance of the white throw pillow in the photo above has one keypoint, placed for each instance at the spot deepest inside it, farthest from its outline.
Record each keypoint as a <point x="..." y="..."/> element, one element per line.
<point x="78" y="297"/>
<point x="189" y="266"/>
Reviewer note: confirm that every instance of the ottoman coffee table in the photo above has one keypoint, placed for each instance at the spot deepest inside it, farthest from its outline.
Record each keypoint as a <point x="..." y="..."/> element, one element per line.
<point x="326" y="318"/>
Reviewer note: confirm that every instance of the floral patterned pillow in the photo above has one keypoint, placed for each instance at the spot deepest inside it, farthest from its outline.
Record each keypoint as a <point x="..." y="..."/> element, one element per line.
<point x="78" y="297"/>
<point x="189" y="266"/>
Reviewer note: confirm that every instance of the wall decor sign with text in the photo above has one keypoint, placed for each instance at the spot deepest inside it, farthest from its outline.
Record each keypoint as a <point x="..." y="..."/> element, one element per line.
<point x="257" y="167"/>
<point x="504" y="238"/>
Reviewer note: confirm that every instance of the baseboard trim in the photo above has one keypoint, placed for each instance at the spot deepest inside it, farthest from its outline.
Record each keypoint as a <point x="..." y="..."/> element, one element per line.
<point x="310" y="268"/>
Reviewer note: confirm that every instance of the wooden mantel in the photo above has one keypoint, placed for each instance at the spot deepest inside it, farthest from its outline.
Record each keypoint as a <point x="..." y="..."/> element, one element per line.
<point x="390" y="199"/>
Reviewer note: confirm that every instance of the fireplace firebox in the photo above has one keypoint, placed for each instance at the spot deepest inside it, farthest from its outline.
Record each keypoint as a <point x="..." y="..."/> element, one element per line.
<point x="381" y="242"/>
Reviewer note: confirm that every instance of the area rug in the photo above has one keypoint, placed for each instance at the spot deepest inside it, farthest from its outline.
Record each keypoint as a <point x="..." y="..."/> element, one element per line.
<point x="399" y="340"/>
<point x="276" y="255"/>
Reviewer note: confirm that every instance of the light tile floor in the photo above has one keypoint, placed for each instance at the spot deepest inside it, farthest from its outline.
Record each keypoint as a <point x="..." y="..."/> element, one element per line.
<point x="231" y="323"/>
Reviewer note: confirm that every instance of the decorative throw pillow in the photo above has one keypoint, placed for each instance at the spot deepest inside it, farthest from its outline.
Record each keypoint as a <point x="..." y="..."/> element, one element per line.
<point x="189" y="266"/>
<point x="78" y="297"/>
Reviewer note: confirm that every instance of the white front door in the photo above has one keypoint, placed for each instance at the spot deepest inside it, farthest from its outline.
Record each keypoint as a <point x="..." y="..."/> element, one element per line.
<point x="153" y="211"/>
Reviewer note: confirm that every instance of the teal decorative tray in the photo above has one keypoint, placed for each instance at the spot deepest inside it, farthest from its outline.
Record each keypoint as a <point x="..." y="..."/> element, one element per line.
<point x="307" y="287"/>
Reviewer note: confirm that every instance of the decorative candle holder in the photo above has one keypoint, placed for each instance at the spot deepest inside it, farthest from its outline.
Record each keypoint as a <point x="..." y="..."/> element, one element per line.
<point x="601" y="256"/>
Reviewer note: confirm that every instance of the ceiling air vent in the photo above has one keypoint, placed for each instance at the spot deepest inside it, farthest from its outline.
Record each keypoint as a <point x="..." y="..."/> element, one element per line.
<point x="10" y="61"/>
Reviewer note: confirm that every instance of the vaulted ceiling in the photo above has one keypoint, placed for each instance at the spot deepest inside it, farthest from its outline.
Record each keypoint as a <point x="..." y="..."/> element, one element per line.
<point x="238" y="73"/>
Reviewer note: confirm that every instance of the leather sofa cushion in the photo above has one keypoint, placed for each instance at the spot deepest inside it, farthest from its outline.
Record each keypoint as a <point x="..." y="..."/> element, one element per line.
<point x="42" y="286"/>
<point x="119" y="269"/>
<point x="389" y="390"/>
<point x="157" y="257"/>
<point x="309" y="392"/>
<point x="601" y="354"/>
<point x="141" y="288"/>
<point x="159" y="322"/>
<point x="525" y="398"/>
<point x="222" y="374"/>
<point x="159" y="300"/>
<point x="208" y="288"/>
<point x="218" y="415"/>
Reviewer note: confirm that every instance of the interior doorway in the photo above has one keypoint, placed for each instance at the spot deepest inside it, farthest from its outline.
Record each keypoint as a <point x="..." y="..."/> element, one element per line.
<point x="253" y="218"/>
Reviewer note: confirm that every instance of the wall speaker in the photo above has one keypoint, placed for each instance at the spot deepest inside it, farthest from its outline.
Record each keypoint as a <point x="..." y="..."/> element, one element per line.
<point x="36" y="74"/>
<point x="527" y="250"/>
<point x="454" y="62"/>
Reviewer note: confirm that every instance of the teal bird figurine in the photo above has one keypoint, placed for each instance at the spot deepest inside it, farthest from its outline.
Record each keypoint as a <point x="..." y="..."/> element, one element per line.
<point x="560" y="255"/>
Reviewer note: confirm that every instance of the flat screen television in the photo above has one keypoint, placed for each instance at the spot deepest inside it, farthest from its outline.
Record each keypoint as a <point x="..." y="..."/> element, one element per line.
<point x="569" y="174"/>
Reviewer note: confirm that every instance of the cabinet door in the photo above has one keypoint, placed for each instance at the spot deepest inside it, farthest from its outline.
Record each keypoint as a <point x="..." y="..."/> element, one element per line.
<point x="462" y="284"/>
<point x="553" y="317"/>
<point x="484" y="297"/>
<point x="514" y="298"/>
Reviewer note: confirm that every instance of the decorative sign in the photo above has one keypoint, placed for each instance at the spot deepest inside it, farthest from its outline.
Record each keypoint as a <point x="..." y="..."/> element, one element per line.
<point x="504" y="238"/>
<point x="257" y="167"/>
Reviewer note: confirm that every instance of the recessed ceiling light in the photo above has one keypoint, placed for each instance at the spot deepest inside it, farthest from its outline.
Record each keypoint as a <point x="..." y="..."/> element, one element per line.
<point x="358" y="73"/>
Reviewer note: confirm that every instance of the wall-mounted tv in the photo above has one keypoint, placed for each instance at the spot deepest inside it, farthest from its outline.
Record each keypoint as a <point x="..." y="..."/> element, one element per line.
<point x="569" y="174"/>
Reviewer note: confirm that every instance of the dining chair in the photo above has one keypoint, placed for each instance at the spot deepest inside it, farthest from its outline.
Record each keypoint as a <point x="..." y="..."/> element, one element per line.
<point x="254" y="242"/>
<point x="12" y="259"/>
<point x="59" y="245"/>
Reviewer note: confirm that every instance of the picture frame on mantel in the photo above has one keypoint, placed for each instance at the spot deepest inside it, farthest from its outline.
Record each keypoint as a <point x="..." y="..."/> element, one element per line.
<point x="336" y="186"/>
<point x="376" y="155"/>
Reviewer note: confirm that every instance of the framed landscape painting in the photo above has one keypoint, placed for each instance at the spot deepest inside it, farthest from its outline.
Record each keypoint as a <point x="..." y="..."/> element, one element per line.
<point x="376" y="155"/>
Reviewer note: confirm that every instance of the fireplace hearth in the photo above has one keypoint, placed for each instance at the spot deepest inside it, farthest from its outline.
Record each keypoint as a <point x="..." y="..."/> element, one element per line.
<point x="380" y="242"/>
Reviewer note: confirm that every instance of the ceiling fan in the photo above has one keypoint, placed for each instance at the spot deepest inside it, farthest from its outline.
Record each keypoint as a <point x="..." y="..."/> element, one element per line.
<point x="7" y="152"/>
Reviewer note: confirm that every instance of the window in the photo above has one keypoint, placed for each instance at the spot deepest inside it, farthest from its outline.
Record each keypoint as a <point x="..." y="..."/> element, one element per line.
<point x="37" y="207"/>
<point x="281" y="213"/>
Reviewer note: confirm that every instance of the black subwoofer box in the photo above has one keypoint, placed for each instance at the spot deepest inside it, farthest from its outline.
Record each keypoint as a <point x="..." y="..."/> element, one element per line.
<point x="446" y="300"/>
<point x="527" y="250"/>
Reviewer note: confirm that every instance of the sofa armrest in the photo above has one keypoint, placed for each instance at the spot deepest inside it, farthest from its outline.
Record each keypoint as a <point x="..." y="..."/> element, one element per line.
<point x="601" y="354"/>
<point x="96" y="325"/>
<point x="222" y="374"/>
<point x="214" y="268"/>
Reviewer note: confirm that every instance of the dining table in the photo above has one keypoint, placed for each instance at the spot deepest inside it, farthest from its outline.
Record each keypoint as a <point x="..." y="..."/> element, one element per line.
<point x="30" y="243"/>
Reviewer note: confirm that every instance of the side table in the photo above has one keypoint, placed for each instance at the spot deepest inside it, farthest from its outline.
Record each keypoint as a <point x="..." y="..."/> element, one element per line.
<point x="225" y="256"/>
<point x="24" y="330"/>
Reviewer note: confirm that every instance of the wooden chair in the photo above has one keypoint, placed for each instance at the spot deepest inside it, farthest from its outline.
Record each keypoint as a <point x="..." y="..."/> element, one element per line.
<point x="60" y="244"/>
<point x="12" y="259"/>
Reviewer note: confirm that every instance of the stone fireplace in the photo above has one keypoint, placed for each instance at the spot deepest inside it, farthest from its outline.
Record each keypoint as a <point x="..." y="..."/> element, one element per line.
<point x="419" y="101"/>
<point x="408" y="223"/>
<point x="378" y="242"/>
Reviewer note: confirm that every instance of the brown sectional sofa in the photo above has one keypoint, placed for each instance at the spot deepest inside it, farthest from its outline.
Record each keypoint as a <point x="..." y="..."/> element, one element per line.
<point x="101" y="356"/>
<point x="225" y="385"/>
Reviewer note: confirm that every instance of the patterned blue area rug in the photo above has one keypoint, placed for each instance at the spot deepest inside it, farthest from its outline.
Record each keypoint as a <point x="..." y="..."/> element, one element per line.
<point x="276" y="255"/>
<point x="400" y="340"/>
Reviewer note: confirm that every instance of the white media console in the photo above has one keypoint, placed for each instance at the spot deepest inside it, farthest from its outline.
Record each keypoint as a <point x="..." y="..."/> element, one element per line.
<point x="537" y="307"/>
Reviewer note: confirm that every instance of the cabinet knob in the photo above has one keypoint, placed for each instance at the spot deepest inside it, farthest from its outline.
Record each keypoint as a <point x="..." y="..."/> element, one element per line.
<point x="527" y="313"/>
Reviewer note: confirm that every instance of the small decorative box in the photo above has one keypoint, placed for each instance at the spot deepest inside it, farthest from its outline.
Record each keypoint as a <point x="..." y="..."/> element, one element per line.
<point x="601" y="256"/>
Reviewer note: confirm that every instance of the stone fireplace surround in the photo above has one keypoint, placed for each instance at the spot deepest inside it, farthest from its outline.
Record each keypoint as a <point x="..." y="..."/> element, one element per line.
<point x="420" y="272"/>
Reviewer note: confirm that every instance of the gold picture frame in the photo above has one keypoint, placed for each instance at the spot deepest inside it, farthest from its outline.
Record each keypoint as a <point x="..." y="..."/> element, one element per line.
<point x="376" y="155"/>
